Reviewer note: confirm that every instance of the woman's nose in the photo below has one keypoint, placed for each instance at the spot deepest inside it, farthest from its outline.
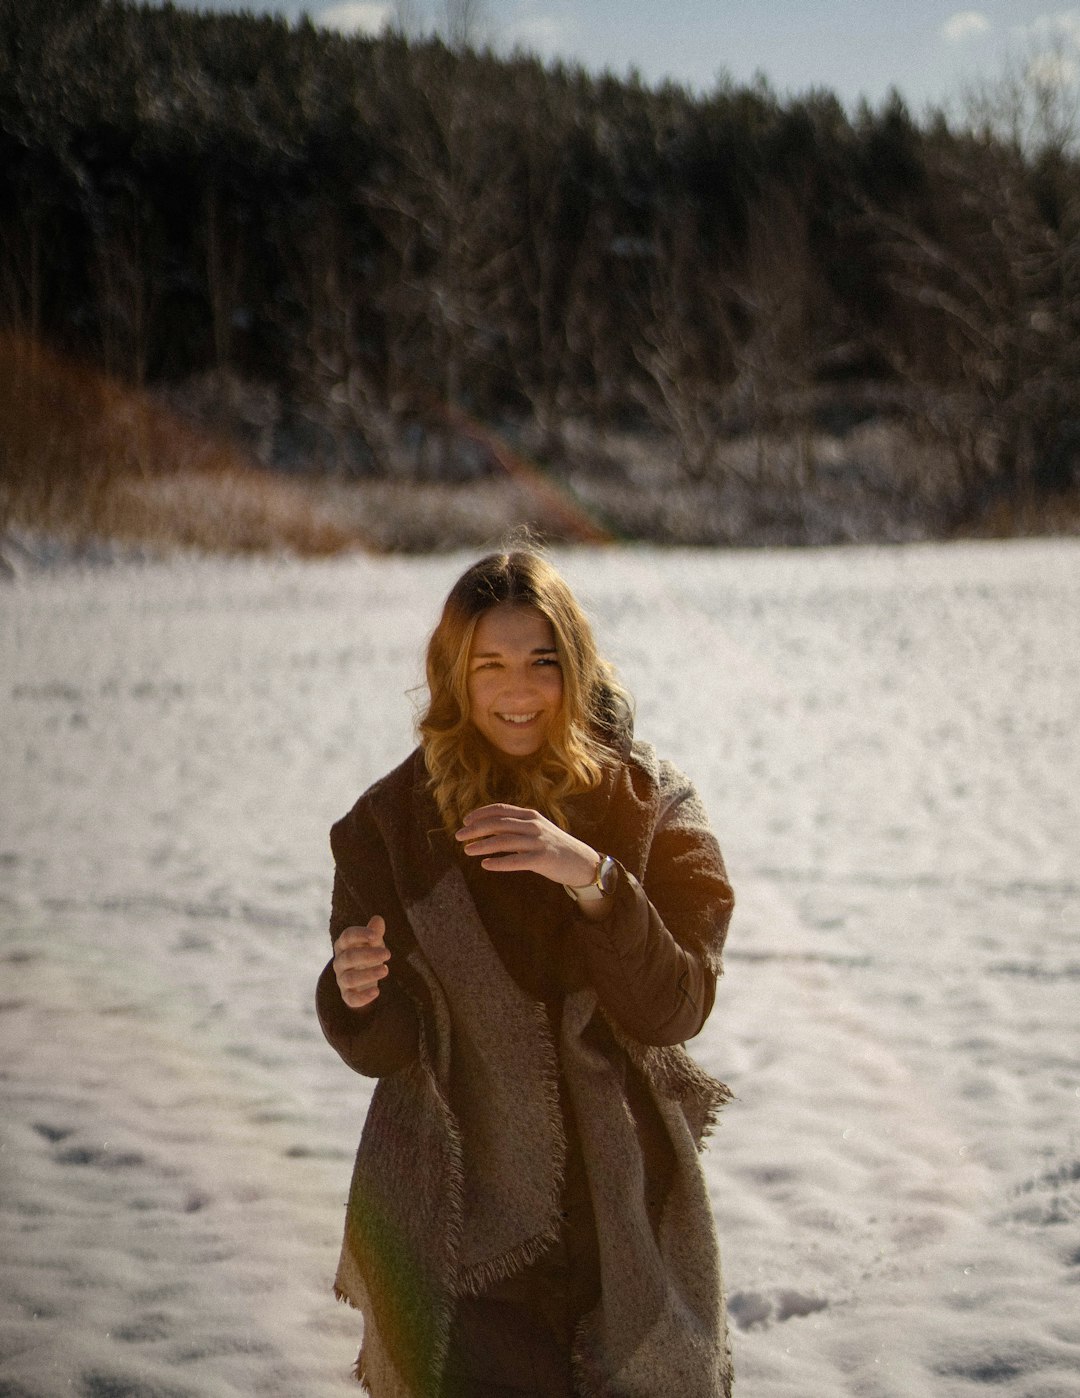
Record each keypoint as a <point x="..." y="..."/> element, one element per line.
<point x="520" y="682"/>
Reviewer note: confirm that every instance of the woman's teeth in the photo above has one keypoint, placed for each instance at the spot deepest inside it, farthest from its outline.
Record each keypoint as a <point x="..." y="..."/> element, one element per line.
<point x="517" y="718"/>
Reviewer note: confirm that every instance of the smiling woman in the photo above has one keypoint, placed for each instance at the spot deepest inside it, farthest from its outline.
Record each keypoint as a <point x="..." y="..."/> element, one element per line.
<point x="499" y="612"/>
<point x="528" y="917"/>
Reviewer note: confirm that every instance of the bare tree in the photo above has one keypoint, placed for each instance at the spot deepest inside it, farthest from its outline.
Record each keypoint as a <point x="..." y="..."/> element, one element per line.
<point x="778" y="289"/>
<point x="990" y="343"/>
<point x="442" y="214"/>
<point x="542" y="299"/>
<point x="407" y="19"/>
<point x="338" y="360"/>
<point x="223" y="262"/>
<point x="465" y="24"/>
<point x="127" y="284"/>
<point x="1033" y="106"/>
<point x="680" y="391"/>
<point x="23" y="242"/>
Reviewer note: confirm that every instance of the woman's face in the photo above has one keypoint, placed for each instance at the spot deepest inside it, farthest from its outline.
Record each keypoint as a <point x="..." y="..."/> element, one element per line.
<point x="515" y="681"/>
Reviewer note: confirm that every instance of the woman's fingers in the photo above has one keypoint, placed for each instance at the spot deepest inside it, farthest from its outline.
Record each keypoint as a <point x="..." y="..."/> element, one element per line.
<point x="512" y="838"/>
<point x="359" y="937"/>
<point x="498" y="810"/>
<point x="524" y="824"/>
<point x="503" y="835"/>
<point x="502" y="841"/>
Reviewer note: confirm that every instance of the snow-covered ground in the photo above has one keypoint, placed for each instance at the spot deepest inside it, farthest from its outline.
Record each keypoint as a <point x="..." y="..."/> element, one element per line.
<point x="888" y="744"/>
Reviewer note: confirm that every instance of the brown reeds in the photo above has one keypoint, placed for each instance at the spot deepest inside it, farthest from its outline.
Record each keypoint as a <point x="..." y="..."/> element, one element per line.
<point x="84" y="457"/>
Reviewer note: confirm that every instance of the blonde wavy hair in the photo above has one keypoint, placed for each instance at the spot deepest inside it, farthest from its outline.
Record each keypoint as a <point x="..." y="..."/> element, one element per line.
<point x="464" y="770"/>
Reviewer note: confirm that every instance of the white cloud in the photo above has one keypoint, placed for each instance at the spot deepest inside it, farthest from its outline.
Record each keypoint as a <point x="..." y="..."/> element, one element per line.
<point x="356" y="17"/>
<point x="1052" y="32"/>
<point x="965" y="25"/>
<point x="1053" y="49"/>
<point x="1063" y="25"/>
<point x="1053" y="70"/>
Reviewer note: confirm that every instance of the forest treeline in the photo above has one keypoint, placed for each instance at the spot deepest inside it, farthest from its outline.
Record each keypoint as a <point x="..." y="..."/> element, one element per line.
<point x="347" y="248"/>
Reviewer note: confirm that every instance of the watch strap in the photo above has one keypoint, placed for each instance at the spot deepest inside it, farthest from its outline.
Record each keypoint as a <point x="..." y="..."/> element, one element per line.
<point x="599" y="889"/>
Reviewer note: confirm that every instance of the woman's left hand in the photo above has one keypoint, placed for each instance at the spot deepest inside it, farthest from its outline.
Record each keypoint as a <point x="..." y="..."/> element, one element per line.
<point x="513" y="838"/>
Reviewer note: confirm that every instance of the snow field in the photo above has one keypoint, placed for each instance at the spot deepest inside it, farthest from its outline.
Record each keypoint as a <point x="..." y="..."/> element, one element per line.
<point x="886" y="741"/>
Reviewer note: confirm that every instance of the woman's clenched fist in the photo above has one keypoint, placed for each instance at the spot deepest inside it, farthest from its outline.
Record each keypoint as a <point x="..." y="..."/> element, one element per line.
<point x="360" y="958"/>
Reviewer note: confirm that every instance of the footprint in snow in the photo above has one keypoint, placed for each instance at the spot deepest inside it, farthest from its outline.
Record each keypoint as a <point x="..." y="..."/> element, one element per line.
<point x="750" y="1309"/>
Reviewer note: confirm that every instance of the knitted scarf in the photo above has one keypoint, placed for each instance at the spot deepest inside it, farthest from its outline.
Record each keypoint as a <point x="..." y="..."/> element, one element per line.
<point x="444" y="1200"/>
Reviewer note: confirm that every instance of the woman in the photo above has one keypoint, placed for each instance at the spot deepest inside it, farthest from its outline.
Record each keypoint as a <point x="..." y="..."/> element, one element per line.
<point x="528" y="916"/>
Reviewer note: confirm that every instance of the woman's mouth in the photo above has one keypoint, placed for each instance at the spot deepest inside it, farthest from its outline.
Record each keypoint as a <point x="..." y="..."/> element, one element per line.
<point x="520" y="720"/>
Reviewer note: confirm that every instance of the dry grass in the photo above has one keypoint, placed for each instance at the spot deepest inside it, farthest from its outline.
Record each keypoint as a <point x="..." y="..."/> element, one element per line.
<point x="1055" y="515"/>
<point x="86" y="459"/>
<point x="83" y="457"/>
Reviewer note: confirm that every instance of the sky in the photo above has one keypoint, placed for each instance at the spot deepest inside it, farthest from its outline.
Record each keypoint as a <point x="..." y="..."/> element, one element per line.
<point x="929" y="50"/>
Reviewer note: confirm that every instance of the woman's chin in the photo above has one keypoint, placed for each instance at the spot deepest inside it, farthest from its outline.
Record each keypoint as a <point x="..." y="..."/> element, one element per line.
<point x="522" y="754"/>
<point x="520" y="751"/>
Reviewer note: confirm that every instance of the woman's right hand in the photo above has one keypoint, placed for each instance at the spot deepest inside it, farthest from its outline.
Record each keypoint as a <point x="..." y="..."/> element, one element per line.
<point x="360" y="958"/>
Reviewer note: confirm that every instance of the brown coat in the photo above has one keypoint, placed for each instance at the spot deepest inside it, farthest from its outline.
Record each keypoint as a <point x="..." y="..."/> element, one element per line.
<point x="512" y="1038"/>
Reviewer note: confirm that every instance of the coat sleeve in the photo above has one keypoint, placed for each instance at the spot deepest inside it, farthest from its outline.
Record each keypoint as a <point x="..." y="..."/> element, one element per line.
<point x="654" y="961"/>
<point x="383" y="1036"/>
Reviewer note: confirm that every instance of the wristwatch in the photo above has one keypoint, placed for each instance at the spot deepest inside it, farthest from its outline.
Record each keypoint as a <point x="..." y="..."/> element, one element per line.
<point x="602" y="885"/>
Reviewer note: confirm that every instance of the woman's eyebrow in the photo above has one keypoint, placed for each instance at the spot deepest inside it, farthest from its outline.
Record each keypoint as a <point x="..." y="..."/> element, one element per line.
<point x="497" y="654"/>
